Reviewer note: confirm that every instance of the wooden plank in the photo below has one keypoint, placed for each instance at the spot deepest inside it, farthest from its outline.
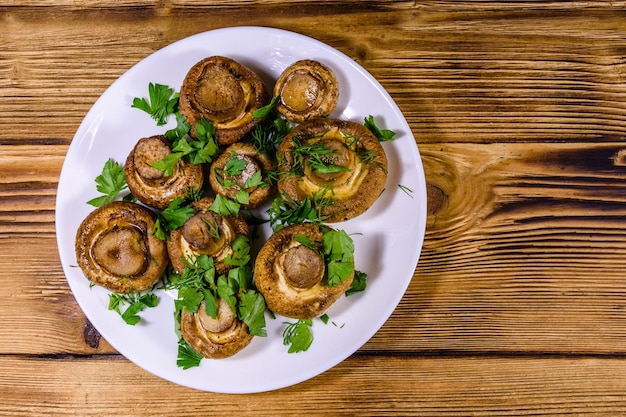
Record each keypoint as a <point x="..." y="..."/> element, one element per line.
<point x="361" y="385"/>
<point x="519" y="74"/>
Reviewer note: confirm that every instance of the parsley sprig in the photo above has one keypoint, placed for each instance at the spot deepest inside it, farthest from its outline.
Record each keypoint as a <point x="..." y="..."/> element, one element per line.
<point x="298" y="335"/>
<point x="383" y="135"/>
<point x="173" y="217"/>
<point x="339" y="256"/>
<point x="162" y="102"/>
<point x="128" y="306"/>
<point x="110" y="183"/>
<point x="201" y="150"/>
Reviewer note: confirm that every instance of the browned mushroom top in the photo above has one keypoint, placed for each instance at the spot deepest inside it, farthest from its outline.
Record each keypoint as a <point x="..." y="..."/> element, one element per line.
<point x="307" y="89"/>
<point x="242" y="169"/>
<point x="115" y="247"/>
<point x="205" y="233"/>
<point x="338" y="160"/>
<point x="293" y="277"/>
<point x="214" y="338"/>
<point x="224" y="92"/>
<point x="149" y="184"/>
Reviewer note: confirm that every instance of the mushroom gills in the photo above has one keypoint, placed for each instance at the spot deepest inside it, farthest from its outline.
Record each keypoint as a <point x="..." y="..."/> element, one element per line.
<point x="121" y="251"/>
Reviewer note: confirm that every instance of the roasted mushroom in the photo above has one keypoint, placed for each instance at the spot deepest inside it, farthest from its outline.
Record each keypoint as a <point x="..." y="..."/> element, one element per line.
<point x="116" y="249"/>
<point x="224" y="92"/>
<point x="205" y="233"/>
<point x="307" y="89"/>
<point x="150" y="185"/>
<point x="335" y="161"/>
<point x="292" y="272"/>
<point x="214" y="338"/>
<point x="241" y="173"/>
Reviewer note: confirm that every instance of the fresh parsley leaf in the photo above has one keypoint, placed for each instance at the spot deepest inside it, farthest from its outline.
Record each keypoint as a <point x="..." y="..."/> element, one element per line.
<point x="135" y="303"/>
<point x="324" y="318"/>
<point x="197" y="151"/>
<point x="182" y="128"/>
<point x="241" y="252"/>
<point x="252" y="312"/>
<point x="359" y="283"/>
<point x="382" y="135"/>
<point x="110" y="182"/>
<point x="173" y="217"/>
<point x="266" y="110"/>
<point x="298" y="335"/>
<point x="225" y="206"/>
<point x="339" y="251"/>
<point x="162" y="102"/>
<point x="187" y="356"/>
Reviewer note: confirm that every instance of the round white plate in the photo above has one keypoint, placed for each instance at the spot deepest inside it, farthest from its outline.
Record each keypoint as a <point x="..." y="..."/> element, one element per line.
<point x="388" y="237"/>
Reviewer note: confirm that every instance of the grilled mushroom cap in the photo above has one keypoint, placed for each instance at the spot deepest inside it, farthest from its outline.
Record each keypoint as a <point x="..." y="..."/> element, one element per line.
<point x="344" y="162"/>
<point x="307" y="89"/>
<point x="205" y="233"/>
<point x="214" y="338"/>
<point x="293" y="277"/>
<point x="149" y="184"/>
<point x="115" y="248"/>
<point x="224" y="92"/>
<point x="229" y="182"/>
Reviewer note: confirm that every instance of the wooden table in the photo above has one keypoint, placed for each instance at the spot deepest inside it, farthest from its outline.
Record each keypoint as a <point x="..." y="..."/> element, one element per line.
<point x="518" y="303"/>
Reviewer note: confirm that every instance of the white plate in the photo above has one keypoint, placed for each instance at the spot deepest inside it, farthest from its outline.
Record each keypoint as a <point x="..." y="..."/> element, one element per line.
<point x="388" y="237"/>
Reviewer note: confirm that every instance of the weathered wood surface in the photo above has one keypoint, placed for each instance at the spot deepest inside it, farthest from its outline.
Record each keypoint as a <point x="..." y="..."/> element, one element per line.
<point x="517" y="306"/>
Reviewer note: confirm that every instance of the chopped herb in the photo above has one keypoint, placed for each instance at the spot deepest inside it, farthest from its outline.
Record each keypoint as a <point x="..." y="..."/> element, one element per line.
<point x="136" y="304"/>
<point x="225" y="206"/>
<point x="383" y="135"/>
<point x="406" y="189"/>
<point x="266" y="136"/>
<point x="110" y="183"/>
<point x="339" y="250"/>
<point x="266" y="110"/>
<point x="198" y="151"/>
<point x="359" y="283"/>
<point x="285" y="211"/>
<point x="182" y="128"/>
<point x="173" y="217"/>
<point x="162" y="102"/>
<point x="298" y="335"/>
<point x="324" y="318"/>
<point x="187" y="356"/>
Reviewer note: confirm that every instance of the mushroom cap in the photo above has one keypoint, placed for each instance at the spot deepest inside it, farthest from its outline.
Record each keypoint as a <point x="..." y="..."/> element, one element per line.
<point x="255" y="161"/>
<point x="205" y="233"/>
<point x="149" y="184"/>
<point x="115" y="248"/>
<point x="217" y="338"/>
<point x="224" y="92"/>
<point x="357" y="154"/>
<point x="307" y="89"/>
<point x="290" y="276"/>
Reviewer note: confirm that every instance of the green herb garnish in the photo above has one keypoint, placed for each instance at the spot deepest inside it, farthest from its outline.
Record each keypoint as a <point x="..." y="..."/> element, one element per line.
<point x="187" y="356"/>
<point x="339" y="251"/>
<point x="298" y="335"/>
<point x="383" y="135"/>
<point x="136" y="304"/>
<point x="359" y="283"/>
<point x="162" y="102"/>
<point x="199" y="151"/>
<point x="173" y="217"/>
<point x="110" y="182"/>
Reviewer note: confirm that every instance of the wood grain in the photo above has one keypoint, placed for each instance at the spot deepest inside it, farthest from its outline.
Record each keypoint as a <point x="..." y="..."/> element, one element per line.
<point x="476" y="386"/>
<point x="519" y="111"/>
